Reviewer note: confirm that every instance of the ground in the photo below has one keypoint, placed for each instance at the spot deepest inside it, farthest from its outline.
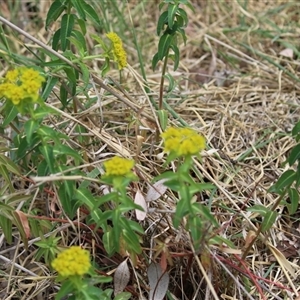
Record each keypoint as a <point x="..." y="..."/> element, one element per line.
<point x="238" y="85"/>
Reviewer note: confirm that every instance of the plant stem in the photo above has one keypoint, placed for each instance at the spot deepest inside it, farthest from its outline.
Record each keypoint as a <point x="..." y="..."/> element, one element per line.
<point x="162" y="80"/>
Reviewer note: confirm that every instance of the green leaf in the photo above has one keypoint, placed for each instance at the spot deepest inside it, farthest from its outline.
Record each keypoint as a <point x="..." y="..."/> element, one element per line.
<point x="286" y="179"/>
<point x="49" y="133"/>
<point x="77" y="5"/>
<point x="172" y="9"/>
<point x="164" y="45"/>
<point x="82" y="25"/>
<point x="85" y="74"/>
<point x="90" y="12"/>
<point x="10" y="113"/>
<point x="219" y="240"/>
<point x="172" y="82"/>
<point x="67" y="24"/>
<point x="294" y="201"/>
<point x="66" y="288"/>
<point x="162" y="21"/>
<point x="54" y="12"/>
<point x="78" y="40"/>
<point x="63" y="96"/>
<point x="132" y="240"/>
<point x="123" y="296"/>
<point x="268" y="220"/>
<point x="296" y="131"/>
<point x="47" y="152"/>
<point x="72" y="80"/>
<point x="181" y="211"/>
<point x="30" y="127"/>
<point x="155" y="60"/>
<point x="6" y="227"/>
<point x="294" y="155"/>
<point x="176" y="56"/>
<point x="204" y="211"/>
<point x="86" y="198"/>
<point x="163" y="119"/>
<point x="182" y="13"/>
<point x="195" y="227"/>
<point x="108" y="242"/>
<point x="9" y="164"/>
<point x="66" y="150"/>
<point x="260" y="209"/>
<point x="97" y="216"/>
<point x="51" y="82"/>
<point x="56" y="40"/>
<point x="67" y="201"/>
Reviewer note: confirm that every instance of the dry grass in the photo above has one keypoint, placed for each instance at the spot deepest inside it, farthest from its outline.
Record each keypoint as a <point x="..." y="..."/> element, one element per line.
<point x="235" y="88"/>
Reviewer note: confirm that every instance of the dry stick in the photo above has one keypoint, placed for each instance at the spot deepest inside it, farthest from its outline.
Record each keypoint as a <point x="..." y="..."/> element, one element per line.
<point x="109" y="89"/>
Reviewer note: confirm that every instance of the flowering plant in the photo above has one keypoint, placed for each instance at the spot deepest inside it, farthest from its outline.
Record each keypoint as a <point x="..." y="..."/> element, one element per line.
<point x="184" y="143"/>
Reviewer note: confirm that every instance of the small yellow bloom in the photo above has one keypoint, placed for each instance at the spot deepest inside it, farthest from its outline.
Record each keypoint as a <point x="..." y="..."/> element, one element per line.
<point x="12" y="75"/>
<point x="182" y="141"/>
<point x="73" y="261"/>
<point x="118" y="166"/>
<point x="118" y="51"/>
<point x="21" y="83"/>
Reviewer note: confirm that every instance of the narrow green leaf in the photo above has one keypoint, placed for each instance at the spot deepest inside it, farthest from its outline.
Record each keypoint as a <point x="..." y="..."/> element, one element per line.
<point x="108" y="242"/>
<point x="51" y="82"/>
<point x="10" y="113"/>
<point x="91" y="13"/>
<point x="47" y="152"/>
<point x="82" y="25"/>
<point x="63" y="96"/>
<point x="6" y="227"/>
<point x="294" y="155"/>
<point x="268" y="220"/>
<point x="164" y="45"/>
<point x="30" y="127"/>
<point x="260" y="209"/>
<point x="69" y="204"/>
<point x="181" y="211"/>
<point x="86" y="198"/>
<point x="172" y="83"/>
<point x="176" y="56"/>
<point x="294" y="201"/>
<point x="163" y="119"/>
<point x="155" y="60"/>
<point x="78" y="41"/>
<point x="54" y="12"/>
<point x="296" y="129"/>
<point x="182" y="13"/>
<point x="56" y="40"/>
<point x="195" y="227"/>
<point x="66" y="150"/>
<point x="67" y="24"/>
<point x="85" y="74"/>
<point x="162" y="21"/>
<point x="286" y="179"/>
<point x="172" y="9"/>
<point x="9" y="164"/>
<point x="204" y="211"/>
<point x="77" y="5"/>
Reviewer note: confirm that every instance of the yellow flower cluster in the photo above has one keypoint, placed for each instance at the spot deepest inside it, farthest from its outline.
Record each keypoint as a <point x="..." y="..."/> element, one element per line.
<point x="73" y="261"/>
<point x="21" y="83"/>
<point x="182" y="141"/>
<point x="118" y="50"/>
<point x="118" y="166"/>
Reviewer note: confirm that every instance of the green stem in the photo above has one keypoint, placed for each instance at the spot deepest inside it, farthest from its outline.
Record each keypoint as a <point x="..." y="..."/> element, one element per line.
<point x="162" y="80"/>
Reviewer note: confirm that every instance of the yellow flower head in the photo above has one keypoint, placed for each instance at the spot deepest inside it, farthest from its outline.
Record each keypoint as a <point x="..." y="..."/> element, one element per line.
<point x="73" y="261"/>
<point x="118" y="166"/>
<point x="182" y="141"/>
<point x="118" y="50"/>
<point x="21" y="83"/>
